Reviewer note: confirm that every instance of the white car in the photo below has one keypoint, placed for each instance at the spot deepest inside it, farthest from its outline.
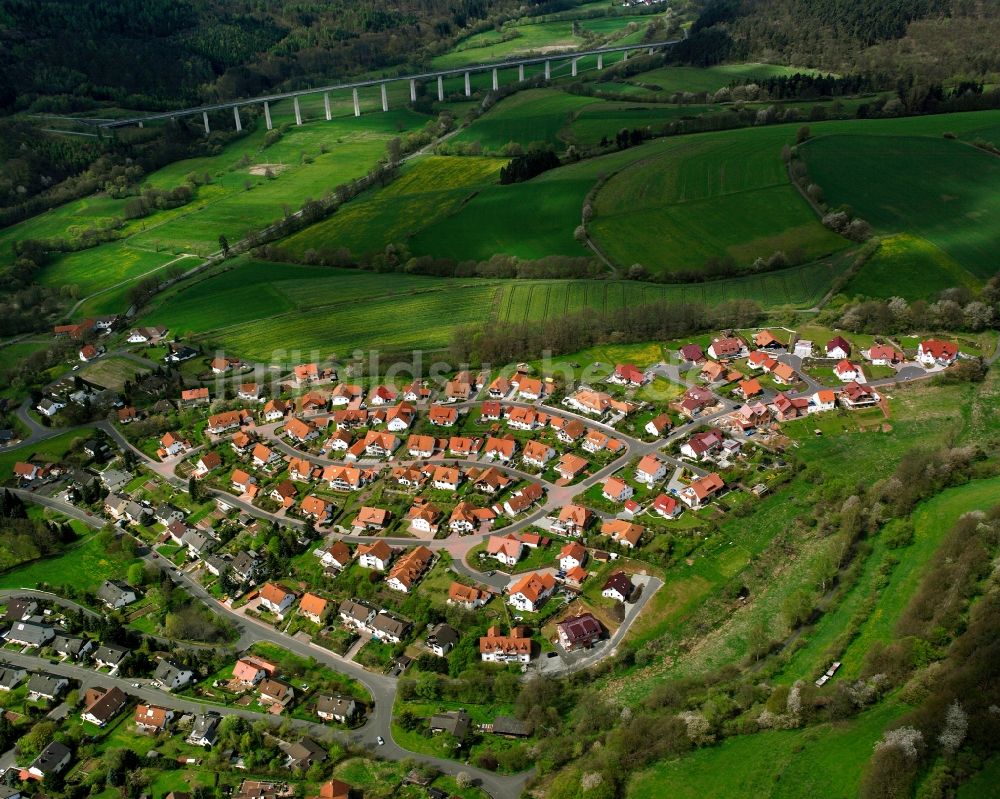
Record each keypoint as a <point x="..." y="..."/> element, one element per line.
<point x="380" y="741"/>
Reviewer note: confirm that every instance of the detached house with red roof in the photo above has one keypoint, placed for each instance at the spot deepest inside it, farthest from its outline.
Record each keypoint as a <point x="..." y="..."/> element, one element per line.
<point x="856" y="395"/>
<point x="650" y="469"/>
<point x="666" y="506"/>
<point x="626" y="374"/>
<point x="507" y="549"/>
<point x="530" y="592"/>
<point x="847" y="371"/>
<point x="377" y="555"/>
<point x="617" y="490"/>
<point x="442" y="416"/>
<point x="934" y="352"/>
<point x="838" y="347"/>
<point x="702" y="490"/>
<point x="823" y="400"/>
<point x="884" y="355"/>
<point x="424" y="517"/>
<point x="275" y="598"/>
<point x="497" y="648"/>
<point x="701" y="446"/>
<point x="730" y="347"/>
<point x="409" y="569"/>
<point x="572" y="555"/>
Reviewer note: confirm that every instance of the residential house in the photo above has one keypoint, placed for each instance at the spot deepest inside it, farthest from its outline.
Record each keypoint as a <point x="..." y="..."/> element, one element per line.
<point x="25" y="633"/>
<point x="823" y="400"/>
<point x="500" y="387"/>
<point x="377" y="555"/>
<point x="597" y="403"/>
<point x="275" y="692"/>
<point x="786" y="408"/>
<point x="572" y="555"/>
<point x="150" y="718"/>
<point x="314" y="607"/>
<point x="441" y="639"/>
<point x="501" y="449"/>
<point x="838" y="347"/>
<point x="456" y="723"/>
<point x="336" y="708"/>
<point x="195" y="396"/>
<point x="467" y="596"/>
<point x="522" y="418"/>
<point x="713" y="371"/>
<point x="442" y="416"/>
<point x="370" y="518"/>
<point x="228" y="420"/>
<point x="569" y="430"/>
<point x="466" y="518"/>
<point x="491" y="481"/>
<point x="206" y="463"/>
<point x="424" y="517"/>
<point x="53" y="759"/>
<point x="284" y="493"/>
<point x="336" y="556"/>
<point x="508" y="549"/>
<point x="387" y="628"/>
<point x="408" y="570"/>
<point x="618" y="587"/>
<point x="522" y="499"/>
<point x="627" y="374"/>
<point x="766" y="340"/>
<point x="46" y="686"/>
<point x="531" y="591"/>
<point x="400" y="417"/>
<point x="276" y="598"/>
<point x="205" y="730"/>
<point x="304" y="754"/>
<point x="317" y="509"/>
<point x="116" y="594"/>
<point x="446" y="478"/>
<point x="856" y="395"/>
<point x="300" y="431"/>
<point x="537" y="454"/>
<point x="497" y="648"/>
<point x="101" y="705"/>
<point x="847" y="371"/>
<point x="701" y="490"/>
<point x="666" y="506"/>
<point x="172" y="444"/>
<point x="884" y="355"/>
<point x="379" y="445"/>
<point x="529" y="388"/>
<point x="170" y="676"/>
<point x="650" y="470"/>
<point x="692" y="353"/>
<point x="355" y="614"/>
<point x="702" y="445"/>
<point x="729" y="347"/>
<point x="659" y="426"/>
<point x="574" y="519"/>
<point x="251" y="670"/>
<point x="579" y="632"/>
<point x="570" y="465"/>
<point x="110" y="657"/>
<point x="463" y="447"/>
<point x="616" y="490"/>
<point x="934" y="352"/>
<point x="275" y="410"/>
<point x="11" y="676"/>
<point x="749" y="388"/>
<point x="625" y="533"/>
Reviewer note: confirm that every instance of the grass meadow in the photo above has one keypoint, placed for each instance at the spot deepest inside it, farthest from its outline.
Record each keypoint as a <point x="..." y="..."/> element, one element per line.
<point x="711" y="79"/>
<point x="941" y="190"/>
<point x="696" y="197"/>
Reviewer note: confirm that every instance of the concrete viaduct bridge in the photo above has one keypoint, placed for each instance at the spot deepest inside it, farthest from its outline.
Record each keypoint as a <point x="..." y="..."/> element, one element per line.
<point x="572" y="58"/>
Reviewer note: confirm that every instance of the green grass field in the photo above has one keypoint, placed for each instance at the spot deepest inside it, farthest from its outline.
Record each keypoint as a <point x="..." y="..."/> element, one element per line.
<point x="910" y="267"/>
<point x="430" y="188"/>
<point x="939" y="190"/>
<point x="338" y="310"/>
<point x="696" y="197"/>
<point x="710" y="79"/>
<point x="825" y="760"/>
<point x="86" y="565"/>
<point x="535" y="115"/>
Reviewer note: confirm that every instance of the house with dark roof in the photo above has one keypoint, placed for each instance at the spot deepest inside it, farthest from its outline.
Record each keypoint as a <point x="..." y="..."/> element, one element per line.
<point x="116" y="594"/>
<point x="46" y="686"/>
<point x="28" y="634"/>
<point x="336" y="708"/>
<point x="303" y="754"/>
<point x="170" y="677"/>
<point x="618" y="587"/>
<point x="442" y="639"/>
<point x="52" y="760"/>
<point x="455" y="722"/>
<point x="101" y="705"/>
<point x="579" y="632"/>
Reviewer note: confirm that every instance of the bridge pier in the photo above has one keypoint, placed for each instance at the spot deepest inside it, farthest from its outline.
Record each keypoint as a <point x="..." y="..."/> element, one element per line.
<point x="440" y="89"/>
<point x="236" y="114"/>
<point x="204" y="119"/>
<point x="496" y="79"/>
<point x="140" y="123"/>
<point x="600" y="60"/>
<point x="651" y="50"/>
<point x="413" y="91"/>
<point x="548" y="70"/>
<point x="625" y="56"/>
<point x="298" y="111"/>
<point x="357" y="104"/>
<point x="267" y="115"/>
<point x="385" y="98"/>
<point x="326" y="106"/>
<point x="520" y="72"/>
<point x="468" y="85"/>
<point x="573" y="64"/>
